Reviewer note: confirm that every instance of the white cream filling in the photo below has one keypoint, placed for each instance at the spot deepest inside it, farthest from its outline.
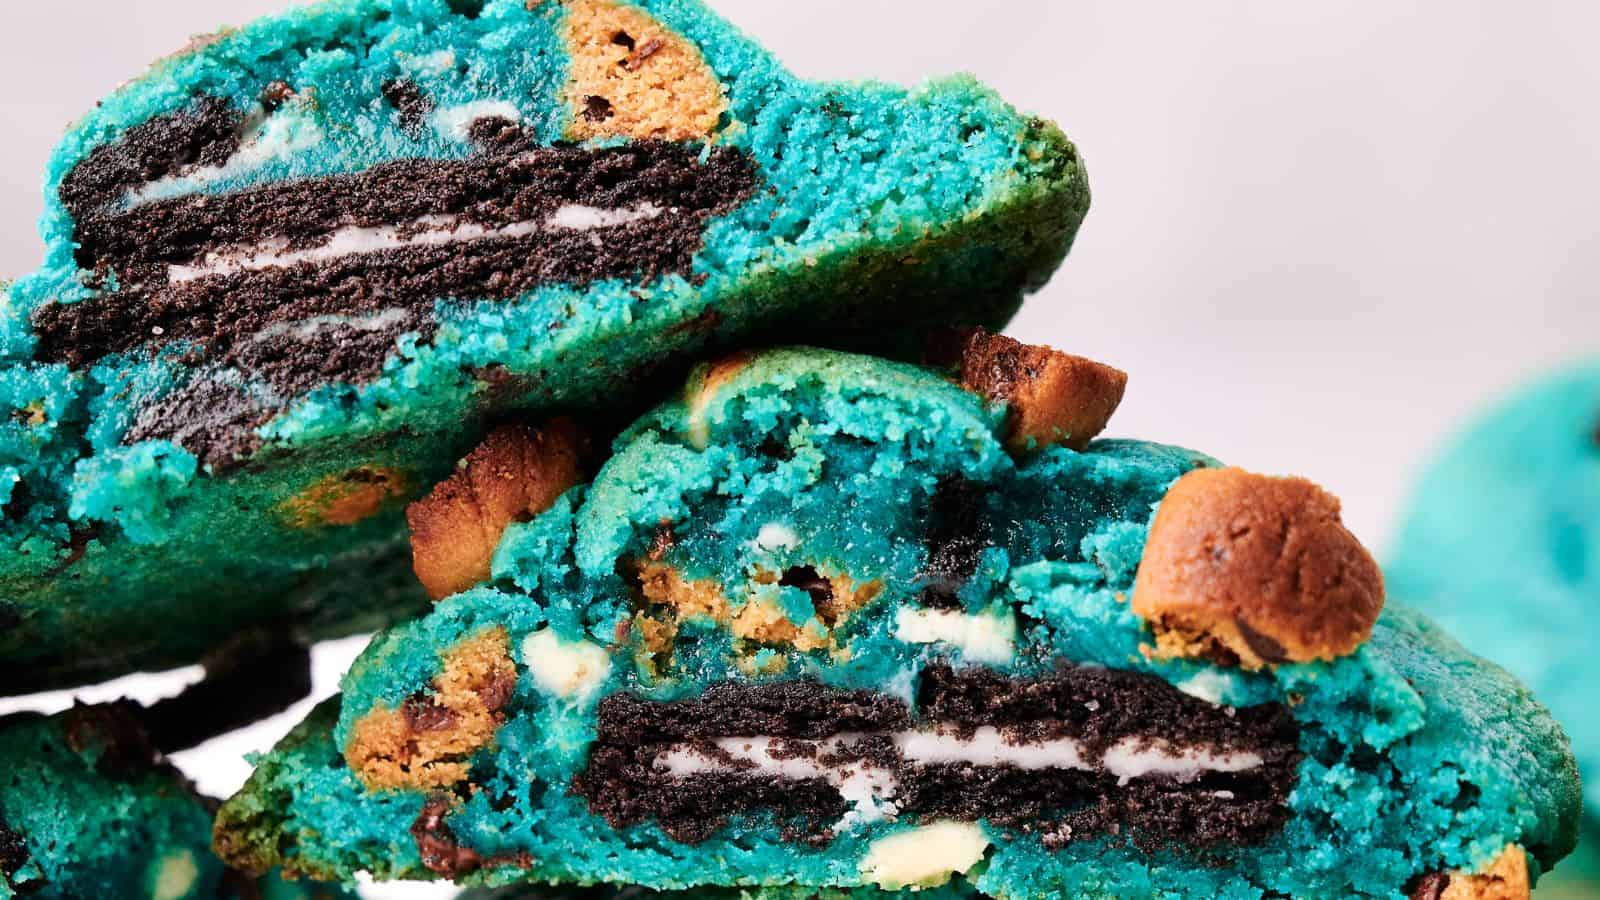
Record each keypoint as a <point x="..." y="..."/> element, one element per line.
<point x="308" y="328"/>
<point x="868" y="788"/>
<point x="267" y="138"/>
<point x="1137" y="758"/>
<point x="871" y="789"/>
<point x="428" y="231"/>
<point x="986" y="638"/>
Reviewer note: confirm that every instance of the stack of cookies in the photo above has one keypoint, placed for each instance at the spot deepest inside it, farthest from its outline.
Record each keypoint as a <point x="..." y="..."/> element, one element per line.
<point x="651" y="398"/>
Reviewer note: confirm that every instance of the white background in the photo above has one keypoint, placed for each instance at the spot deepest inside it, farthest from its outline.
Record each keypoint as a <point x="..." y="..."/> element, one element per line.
<point x="1323" y="232"/>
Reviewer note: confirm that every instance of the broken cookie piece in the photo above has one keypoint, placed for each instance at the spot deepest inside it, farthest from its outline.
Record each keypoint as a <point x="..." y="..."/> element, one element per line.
<point x="1051" y="397"/>
<point x="1243" y="569"/>
<point x="517" y="473"/>
<point x="815" y="625"/>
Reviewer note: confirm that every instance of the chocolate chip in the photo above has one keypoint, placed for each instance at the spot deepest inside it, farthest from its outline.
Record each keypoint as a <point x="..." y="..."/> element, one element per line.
<point x="597" y="109"/>
<point x="622" y="39"/>
<point x="1264" y="646"/>
<point x="663" y="542"/>
<point x="441" y="852"/>
<point x="1430" y="886"/>
<point x="636" y="59"/>
<point x="423" y="714"/>
<point x="497" y="692"/>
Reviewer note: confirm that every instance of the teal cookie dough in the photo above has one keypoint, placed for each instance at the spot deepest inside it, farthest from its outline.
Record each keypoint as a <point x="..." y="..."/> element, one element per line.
<point x="293" y="270"/>
<point x="89" y="809"/>
<point x="821" y="624"/>
<point x="1501" y="543"/>
<point x="776" y="893"/>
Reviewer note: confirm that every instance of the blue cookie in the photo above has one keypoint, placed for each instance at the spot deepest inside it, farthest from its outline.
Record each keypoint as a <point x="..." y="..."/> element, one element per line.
<point x="1501" y="544"/>
<point x="836" y="622"/>
<point x="294" y="270"/>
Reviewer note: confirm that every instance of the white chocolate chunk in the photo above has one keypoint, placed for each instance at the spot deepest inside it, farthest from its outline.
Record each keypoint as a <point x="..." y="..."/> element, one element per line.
<point x="176" y="877"/>
<point x="571" y="670"/>
<point x="777" y="536"/>
<point x="924" y="857"/>
<point x="1211" y="687"/>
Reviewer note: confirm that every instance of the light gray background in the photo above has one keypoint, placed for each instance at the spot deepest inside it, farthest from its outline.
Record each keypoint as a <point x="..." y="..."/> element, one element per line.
<point x="1323" y="232"/>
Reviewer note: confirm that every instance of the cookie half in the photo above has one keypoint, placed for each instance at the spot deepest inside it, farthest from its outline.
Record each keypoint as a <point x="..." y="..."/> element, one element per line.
<point x="296" y="270"/>
<point x="827" y="621"/>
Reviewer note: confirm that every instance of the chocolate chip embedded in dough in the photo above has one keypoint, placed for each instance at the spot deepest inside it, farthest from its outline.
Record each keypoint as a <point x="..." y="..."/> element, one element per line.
<point x="597" y="108"/>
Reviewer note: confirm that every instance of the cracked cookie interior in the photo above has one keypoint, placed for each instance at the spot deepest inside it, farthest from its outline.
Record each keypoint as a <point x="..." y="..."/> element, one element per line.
<point x="821" y="622"/>
<point x="297" y="271"/>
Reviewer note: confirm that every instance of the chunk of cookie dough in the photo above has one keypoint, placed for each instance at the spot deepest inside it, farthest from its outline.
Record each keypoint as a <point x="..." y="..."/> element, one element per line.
<point x="299" y="269"/>
<point x="1243" y="569"/>
<point x="820" y="623"/>
<point x="517" y="473"/>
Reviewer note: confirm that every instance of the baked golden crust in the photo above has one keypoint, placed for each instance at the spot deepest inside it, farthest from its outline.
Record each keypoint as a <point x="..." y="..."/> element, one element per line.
<point x="1244" y="569"/>
<point x="517" y="473"/>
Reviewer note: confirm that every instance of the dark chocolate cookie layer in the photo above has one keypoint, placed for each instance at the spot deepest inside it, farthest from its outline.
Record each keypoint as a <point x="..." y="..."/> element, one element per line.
<point x="1098" y="709"/>
<point x="312" y="282"/>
